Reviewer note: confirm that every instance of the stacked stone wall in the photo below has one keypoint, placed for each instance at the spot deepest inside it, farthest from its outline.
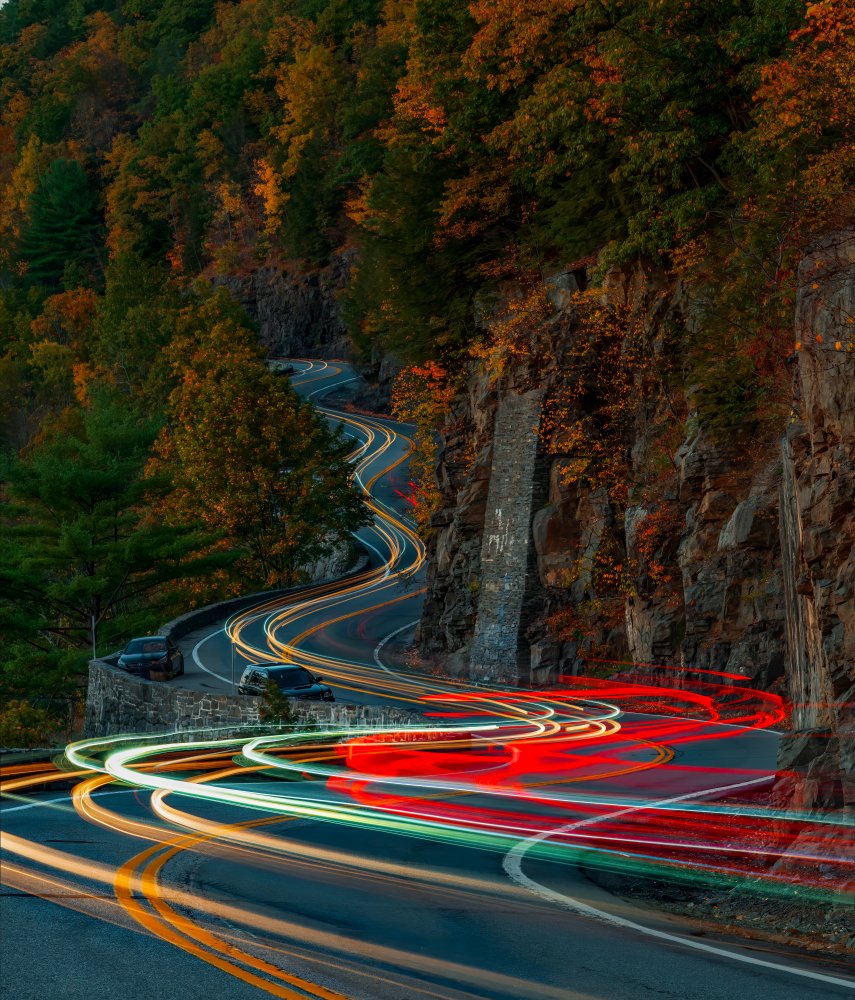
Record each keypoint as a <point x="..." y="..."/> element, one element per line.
<point x="508" y="558"/>
<point x="118" y="702"/>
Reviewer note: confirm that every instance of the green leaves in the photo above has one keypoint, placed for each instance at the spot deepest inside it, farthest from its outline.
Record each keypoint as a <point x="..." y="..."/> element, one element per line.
<point x="64" y="225"/>
<point x="85" y="550"/>
<point x="276" y="708"/>
<point x="247" y="457"/>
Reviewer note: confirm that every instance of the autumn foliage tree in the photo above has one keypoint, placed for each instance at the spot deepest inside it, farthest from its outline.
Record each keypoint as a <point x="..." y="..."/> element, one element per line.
<point x="422" y="395"/>
<point x="248" y="457"/>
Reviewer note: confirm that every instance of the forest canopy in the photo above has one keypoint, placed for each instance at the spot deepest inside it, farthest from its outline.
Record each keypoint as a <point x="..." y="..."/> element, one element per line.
<point x="459" y="143"/>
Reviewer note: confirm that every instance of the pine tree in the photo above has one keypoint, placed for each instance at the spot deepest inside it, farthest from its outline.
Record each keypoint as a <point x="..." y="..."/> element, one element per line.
<point x="64" y="227"/>
<point x="85" y="560"/>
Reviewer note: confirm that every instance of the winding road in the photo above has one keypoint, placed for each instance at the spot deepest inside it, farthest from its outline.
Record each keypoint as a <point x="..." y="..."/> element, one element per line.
<point x="338" y="630"/>
<point x="447" y="858"/>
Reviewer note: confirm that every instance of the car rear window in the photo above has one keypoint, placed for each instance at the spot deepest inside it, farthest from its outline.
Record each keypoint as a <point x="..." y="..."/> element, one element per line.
<point x="146" y="646"/>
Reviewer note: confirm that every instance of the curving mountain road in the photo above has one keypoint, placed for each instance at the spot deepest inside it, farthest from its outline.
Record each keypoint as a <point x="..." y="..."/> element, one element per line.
<point x="337" y="630"/>
<point x="443" y="860"/>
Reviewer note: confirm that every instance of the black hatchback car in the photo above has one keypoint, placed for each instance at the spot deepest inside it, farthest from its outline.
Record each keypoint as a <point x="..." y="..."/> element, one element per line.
<point x="151" y="652"/>
<point x="293" y="682"/>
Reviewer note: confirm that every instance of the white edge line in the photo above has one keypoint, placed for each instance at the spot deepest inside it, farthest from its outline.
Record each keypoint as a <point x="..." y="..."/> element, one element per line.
<point x="512" y="864"/>
<point x="379" y="647"/>
<point x="197" y="659"/>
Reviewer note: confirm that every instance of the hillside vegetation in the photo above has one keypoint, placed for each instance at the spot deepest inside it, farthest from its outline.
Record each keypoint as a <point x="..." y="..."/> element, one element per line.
<point x="453" y="154"/>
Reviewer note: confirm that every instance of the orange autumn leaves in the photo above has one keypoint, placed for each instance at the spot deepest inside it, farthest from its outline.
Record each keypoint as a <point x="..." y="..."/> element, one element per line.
<point x="246" y="457"/>
<point x="422" y="394"/>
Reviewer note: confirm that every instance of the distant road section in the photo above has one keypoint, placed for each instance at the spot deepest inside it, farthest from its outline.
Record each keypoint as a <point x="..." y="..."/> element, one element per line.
<point x="337" y="631"/>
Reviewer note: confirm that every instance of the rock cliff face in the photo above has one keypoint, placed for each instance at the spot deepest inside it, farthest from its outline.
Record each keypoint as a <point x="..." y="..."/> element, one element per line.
<point x="818" y="534"/>
<point x="717" y="601"/>
<point x="725" y="608"/>
<point x="299" y="316"/>
<point x="741" y="559"/>
<point x="454" y="550"/>
<point x="297" y="312"/>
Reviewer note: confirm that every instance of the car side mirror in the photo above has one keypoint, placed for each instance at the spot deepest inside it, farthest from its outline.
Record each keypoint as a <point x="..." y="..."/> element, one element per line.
<point x="318" y="680"/>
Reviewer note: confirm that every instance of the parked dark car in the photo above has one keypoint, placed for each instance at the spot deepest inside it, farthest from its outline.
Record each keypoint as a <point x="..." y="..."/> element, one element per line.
<point x="293" y="682"/>
<point x="151" y="652"/>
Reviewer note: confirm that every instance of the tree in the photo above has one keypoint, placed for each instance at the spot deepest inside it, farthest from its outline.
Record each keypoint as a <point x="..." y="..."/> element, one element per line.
<point x="415" y="319"/>
<point x="85" y="561"/>
<point x="182" y="18"/>
<point x="424" y="396"/>
<point x="155" y="199"/>
<point x="25" y="725"/>
<point x="276" y="708"/>
<point x="135" y="321"/>
<point x="64" y="225"/>
<point x="792" y="174"/>
<point x="248" y="457"/>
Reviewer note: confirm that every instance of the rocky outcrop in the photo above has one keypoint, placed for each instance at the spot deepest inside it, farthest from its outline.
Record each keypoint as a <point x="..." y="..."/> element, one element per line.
<point x="298" y="312"/>
<point x="454" y="547"/>
<point x="299" y="315"/>
<point x="687" y="572"/>
<point x="725" y="608"/>
<point x="818" y="533"/>
<point x="372" y="393"/>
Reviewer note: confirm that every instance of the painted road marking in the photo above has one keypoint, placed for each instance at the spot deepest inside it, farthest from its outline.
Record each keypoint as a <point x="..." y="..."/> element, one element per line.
<point x="512" y="864"/>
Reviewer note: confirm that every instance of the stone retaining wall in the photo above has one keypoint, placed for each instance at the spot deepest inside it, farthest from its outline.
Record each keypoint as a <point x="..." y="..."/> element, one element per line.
<point x="500" y="653"/>
<point x="118" y="702"/>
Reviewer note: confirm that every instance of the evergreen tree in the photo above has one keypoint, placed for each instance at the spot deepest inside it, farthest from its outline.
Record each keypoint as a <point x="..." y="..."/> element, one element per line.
<point x="86" y="558"/>
<point x="64" y="226"/>
<point x="134" y="323"/>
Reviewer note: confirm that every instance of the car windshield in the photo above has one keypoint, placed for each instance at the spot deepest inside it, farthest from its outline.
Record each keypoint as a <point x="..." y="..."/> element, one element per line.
<point x="292" y="677"/>
<point x="146" y="646"/>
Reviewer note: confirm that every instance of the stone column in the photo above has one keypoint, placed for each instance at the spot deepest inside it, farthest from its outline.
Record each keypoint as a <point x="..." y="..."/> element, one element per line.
<point x="509" y="578"/>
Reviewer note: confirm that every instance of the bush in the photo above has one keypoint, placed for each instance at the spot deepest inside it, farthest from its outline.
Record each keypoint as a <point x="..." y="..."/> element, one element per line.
<point x="276" y="708"/>
<point x="24" y="725"/>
